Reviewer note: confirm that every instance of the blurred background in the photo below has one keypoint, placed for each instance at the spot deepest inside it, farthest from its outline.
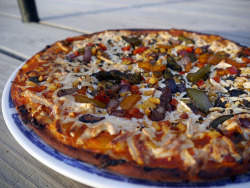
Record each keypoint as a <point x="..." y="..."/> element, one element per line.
<point x="63" y="18"/>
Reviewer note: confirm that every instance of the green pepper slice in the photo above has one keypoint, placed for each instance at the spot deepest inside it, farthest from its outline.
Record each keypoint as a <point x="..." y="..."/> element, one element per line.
<point x="200" y="98"/>
<point x="172" y="64"/>
<point x="133" y="41"/>
<point x="219" y="120"/>
<point x="187" y="40"/>
<point x="202" y="73"/>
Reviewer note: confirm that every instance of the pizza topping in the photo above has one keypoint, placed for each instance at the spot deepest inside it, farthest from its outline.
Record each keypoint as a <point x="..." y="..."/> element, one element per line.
<point x="245" y="122"/>
<point x="112" y="105"/>
<point x="124" y="89"/>
<point x="159" y="112"/>
<point x="88" y="118"/>
<point x="214" y="124"/>
<point x="185" y="39"/>
<point x="63" y="92"/>
<point x="119" y="113"/>
<point x="201" y="100"/>
<point x="167" y="74"/>
<point x="85" y="99"/>
<point x="72" y="56"/>
<point x="114" y="88"/>
<point x="172" y="64"/>
<point x="166" y="95"/>
<point x="129" y="101"/>
<point x="170" y="83"/>
<point x="86" y="57"/>
<point x="219" y="103"/>
<point x="104" y="95"/>
<point x="202" y="73"/>
<point x="35" y="79"/>
<point x="217" y="57"/>
<point x="236" y="92"/>
<point x="117" y="75"/>
<point x="133" y="41"/>
<point x="35" y="123"/>
<point x="246" y="103"/>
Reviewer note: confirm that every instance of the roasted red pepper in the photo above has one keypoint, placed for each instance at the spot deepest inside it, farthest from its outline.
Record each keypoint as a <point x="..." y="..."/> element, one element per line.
<point x="134" y="89"/>
<point x="200" y="83"/>
<point x="139" y="50"/>
<point x="232" y="70"/>
<point x="173" y="103"/>
<point x="217" y="79"/>
<point x="90" y="44"/>
<point x="184" y="116"/>
<point x="126" y="48"/>
<point x="103" y="47"/>
<point x="134" y="112"/>
<point x="104" y="96"/>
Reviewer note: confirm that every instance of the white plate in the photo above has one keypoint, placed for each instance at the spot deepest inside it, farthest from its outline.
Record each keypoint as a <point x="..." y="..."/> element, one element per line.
<point x="77" y="170"/>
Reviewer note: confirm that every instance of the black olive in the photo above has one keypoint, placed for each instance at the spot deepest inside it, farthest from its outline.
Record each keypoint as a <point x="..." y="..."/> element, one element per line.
<point x="117" y="75"/>
<point x="193" y="108"/>
<point x="63" y="92"/>
<point x="205" y="48"/>
<point x="245" y="122"/>
<point x="181" y="87"/>
<point x="35" y="123"/>
<point x="219" y="103"/>
<point x="170" y="83"/>
<point x="88" y="118"/>
<point x="232" y="78"/>
<point x="22" y="110"/>
<point x="246" y="103"/>
<point x="34" y="79"/>
<point x="236" y="92"/>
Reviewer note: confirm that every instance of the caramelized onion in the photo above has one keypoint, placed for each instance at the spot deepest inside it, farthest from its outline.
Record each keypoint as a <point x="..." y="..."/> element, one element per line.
<point x="88" y="118"/>
<point x="112" y="105"/>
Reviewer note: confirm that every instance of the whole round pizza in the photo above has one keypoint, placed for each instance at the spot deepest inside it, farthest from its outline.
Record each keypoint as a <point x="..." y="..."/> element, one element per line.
<point x="162" y="105"/>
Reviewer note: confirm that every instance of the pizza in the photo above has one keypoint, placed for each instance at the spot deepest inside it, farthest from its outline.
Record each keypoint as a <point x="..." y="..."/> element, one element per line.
<point x="162" y="105"/>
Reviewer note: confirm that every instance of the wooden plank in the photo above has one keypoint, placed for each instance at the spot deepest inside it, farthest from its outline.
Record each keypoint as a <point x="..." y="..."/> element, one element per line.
<point x="17" y="167"/>
<point x="9" y="7"/>
<point x="29" y="38"/>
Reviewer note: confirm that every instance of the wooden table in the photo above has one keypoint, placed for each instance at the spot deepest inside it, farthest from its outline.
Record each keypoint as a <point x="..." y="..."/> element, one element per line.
<point x="65" y="18"/>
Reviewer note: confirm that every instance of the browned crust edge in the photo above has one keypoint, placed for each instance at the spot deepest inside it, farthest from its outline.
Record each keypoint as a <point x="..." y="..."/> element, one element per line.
<point x="211" y="172"/>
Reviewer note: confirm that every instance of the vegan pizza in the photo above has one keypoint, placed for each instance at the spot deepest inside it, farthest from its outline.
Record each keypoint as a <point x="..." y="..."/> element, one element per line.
<point x="162" y="105"/>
